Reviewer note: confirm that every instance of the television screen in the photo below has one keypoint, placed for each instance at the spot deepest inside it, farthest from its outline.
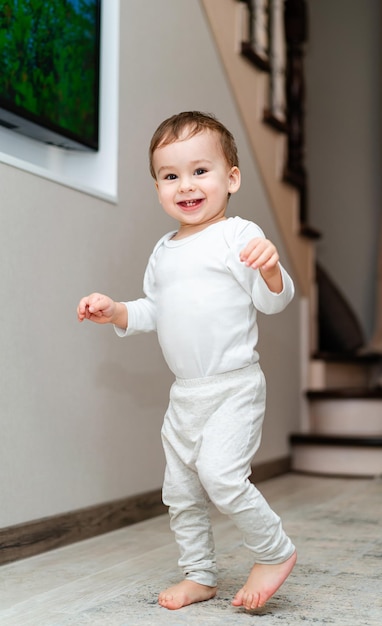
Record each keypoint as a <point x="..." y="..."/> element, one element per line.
<point x="49" y="70"/>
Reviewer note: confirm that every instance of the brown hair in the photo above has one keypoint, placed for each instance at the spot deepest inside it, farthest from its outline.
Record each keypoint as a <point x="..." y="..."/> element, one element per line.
<point x="195" y="122"/>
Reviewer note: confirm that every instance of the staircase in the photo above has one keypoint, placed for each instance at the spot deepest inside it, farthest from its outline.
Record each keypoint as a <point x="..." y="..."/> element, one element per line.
<point x="261" y="43"/>
<point x="344" y="436"/>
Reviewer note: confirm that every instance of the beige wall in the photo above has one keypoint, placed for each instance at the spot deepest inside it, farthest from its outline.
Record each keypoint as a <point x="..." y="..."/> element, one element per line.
<point x="80" y="409"/>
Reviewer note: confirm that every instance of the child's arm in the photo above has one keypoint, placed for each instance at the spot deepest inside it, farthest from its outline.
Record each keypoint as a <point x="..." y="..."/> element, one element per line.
<point x="262" y="254"/>
<point x="102" y="310"/>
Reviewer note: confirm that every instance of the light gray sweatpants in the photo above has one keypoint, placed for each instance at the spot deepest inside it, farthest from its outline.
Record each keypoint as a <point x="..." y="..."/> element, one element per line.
<point x="210" y="433"/>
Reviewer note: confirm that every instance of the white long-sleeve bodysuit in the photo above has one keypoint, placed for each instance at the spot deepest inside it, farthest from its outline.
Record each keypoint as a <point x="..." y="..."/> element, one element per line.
<point x="203" y="302"/>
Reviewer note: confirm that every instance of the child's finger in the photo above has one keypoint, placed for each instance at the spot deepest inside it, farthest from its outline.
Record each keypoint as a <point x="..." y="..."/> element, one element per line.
<point x="257" y="256"/>
<point x="250" y="248"/>
<point x="82" y="310"/>
<point x="96" y="303"/>
<point x="271" y="263"/>
<point x="264" y="258"/>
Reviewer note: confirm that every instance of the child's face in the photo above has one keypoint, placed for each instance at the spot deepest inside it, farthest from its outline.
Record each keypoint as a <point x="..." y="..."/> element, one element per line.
<point x="193" y="180"/>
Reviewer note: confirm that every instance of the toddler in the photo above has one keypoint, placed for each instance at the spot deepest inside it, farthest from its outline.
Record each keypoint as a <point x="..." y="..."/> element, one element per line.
<point x="203" y="286"/>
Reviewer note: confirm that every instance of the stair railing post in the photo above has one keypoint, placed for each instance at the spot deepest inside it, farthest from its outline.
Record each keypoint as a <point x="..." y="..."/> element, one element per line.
<point x="260" y="28"/>
<point x="277" y="60"/>
<point x="296" y="27"/>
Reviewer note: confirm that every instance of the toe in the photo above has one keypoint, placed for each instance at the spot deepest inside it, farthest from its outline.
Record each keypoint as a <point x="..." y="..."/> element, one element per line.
<point x="251" y="601"/>
<point x="164" y="599"/>
<point x="238" y="599"/>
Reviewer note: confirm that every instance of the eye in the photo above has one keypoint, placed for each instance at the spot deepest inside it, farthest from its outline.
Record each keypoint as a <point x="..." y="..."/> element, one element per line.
<point x="170" y="177"/>
<point x="200" y="171"/>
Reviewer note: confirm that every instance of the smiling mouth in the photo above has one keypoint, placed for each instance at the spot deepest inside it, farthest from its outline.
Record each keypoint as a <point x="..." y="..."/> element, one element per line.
<point x="189" y="205"/>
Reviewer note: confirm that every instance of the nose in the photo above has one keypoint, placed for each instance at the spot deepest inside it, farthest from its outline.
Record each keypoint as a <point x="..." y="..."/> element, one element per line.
<point x="186" y="183"/>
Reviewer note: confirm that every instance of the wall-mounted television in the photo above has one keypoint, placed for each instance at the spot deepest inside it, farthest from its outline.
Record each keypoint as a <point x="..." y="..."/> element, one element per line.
<point x="49" y="70"/>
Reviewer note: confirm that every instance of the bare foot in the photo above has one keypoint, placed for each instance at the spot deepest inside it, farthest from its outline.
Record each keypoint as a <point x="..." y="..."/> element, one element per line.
<point x="184" y="593"/>
<point x="262" y="583"/>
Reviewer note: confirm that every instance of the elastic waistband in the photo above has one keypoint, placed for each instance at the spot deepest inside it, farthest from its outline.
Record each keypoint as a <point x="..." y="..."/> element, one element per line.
<point x="207" y="380"/>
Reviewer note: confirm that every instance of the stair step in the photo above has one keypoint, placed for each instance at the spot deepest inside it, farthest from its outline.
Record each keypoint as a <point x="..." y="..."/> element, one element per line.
<point x="348" y="357"/>
<point x="337" y="455"/>
<point x="346" y="393"/>
<point x="336" y="440"/>
<point x="348" y="412"/>
<point x="330" y="370"/>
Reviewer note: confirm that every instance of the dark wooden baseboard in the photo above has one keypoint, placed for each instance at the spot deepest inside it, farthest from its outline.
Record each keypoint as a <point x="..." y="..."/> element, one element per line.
<point x="32" y="538"/>
<point x="271" y="469"/>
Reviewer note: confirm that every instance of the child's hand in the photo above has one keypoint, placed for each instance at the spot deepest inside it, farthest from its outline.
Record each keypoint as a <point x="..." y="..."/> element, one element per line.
<point x="96" y="308"/>
<point x="259" y="254"/>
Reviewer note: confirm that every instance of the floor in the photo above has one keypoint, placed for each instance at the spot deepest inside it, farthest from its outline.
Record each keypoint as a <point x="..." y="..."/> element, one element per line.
<point x="114" y="579"/>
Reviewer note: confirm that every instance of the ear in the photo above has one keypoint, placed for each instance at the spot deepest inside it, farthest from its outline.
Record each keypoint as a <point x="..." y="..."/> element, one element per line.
<point x="157" y="188"/>
<point x="234" y="179"/>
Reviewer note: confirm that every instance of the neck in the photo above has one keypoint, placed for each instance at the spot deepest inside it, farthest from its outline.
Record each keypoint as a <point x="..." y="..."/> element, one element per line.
<point x="186" y="230"/>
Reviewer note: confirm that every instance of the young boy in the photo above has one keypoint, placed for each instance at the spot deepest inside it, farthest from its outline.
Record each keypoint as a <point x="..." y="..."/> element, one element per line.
<point x="203" y="286"/>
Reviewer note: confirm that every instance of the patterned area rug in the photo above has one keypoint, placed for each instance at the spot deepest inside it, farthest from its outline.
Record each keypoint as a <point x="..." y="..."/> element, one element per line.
<point x="336" y="526"/>
<point x="337" y="580"/>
